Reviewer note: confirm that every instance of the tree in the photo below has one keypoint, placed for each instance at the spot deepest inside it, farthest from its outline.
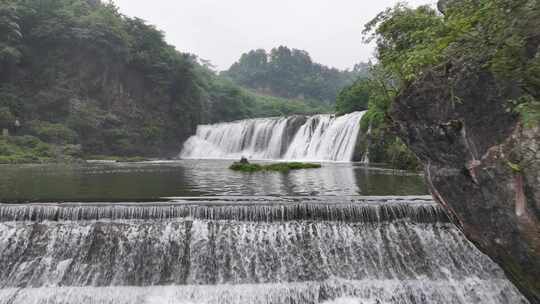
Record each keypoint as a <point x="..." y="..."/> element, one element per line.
<point x="289" y="73"/>
<point x="497" y="34"/>
<point x="10" y="36"/>
<point x="407" y="39"/>
<point x="353" y="98"/>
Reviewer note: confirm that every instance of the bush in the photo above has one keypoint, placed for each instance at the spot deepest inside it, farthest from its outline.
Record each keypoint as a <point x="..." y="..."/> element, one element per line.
<point x="19" y="159"/>
<point x="353" y="98"/>
<point x="52" y="132"/>
<point x="26" y="149"/>
<point x="151" y="133"/>
<point x="401" y="157"/>
<point x="72" y="151"/>
<point x="246" y="167"/>
<point x="26" y="141"/>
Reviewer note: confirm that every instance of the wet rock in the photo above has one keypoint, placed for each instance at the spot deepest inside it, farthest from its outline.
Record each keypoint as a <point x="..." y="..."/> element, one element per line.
<point x="481" y="164"/>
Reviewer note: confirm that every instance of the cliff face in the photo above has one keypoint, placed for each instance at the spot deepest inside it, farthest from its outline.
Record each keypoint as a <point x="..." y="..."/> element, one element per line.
<point x="113" y="107"/>
<point x="481" y="164"/>
<point x="81" y="73"/>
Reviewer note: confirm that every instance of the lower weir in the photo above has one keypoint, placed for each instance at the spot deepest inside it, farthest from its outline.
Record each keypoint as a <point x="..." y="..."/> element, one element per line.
<point x="243" y="250"/>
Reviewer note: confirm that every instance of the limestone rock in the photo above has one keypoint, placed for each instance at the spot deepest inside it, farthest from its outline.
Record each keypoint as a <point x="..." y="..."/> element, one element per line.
<point x="481" y="164"/>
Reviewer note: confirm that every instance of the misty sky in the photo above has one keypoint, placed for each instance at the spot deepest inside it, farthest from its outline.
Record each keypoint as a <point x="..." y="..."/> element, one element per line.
<point x="221" y="30"/>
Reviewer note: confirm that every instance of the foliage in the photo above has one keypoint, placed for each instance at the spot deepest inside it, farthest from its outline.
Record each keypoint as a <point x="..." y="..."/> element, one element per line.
<point x="246" y="167"/>
<point x="400" y="155"/>
<point x="10" y="36"/>
<point x="377" y="92"/>
<point x="6" y="118"/>
<point x="280" y="167"/>
<point x="500" y="35"/>
<point x="407" y="39"/>
<point x="290" y="73"/>
<point x="78" y="71"/>
<point x="265" y="106"/>
<point x="25" y="149"/>
<point x="353" y="98"/>
<point x="52" y="132"/>
<point x="285" y="167"/>
<point x="530" y="112"/>
<point x="229" y="102"/>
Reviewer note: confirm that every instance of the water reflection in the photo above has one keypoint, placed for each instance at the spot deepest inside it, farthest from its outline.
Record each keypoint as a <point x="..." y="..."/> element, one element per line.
<point x="120" y="181"/>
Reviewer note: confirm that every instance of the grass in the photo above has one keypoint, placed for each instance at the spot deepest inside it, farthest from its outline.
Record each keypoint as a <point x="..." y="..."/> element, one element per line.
<point x="31" y="150"/>
<point x="28" y="149"/>
<point x="279" y="167"/>
<point x="25" y="150"/>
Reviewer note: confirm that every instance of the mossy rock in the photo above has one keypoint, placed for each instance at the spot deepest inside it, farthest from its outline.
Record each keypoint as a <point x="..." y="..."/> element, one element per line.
<point x="279" y="167"/>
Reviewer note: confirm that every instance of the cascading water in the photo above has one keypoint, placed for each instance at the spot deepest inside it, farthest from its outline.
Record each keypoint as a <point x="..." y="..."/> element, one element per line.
<point x="243" y="250"/>
<point x="326" y="137"/>
<point x="319" y="137"/>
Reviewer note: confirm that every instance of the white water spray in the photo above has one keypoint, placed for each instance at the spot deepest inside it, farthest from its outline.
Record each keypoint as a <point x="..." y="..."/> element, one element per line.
<point x="320" y="138"/>
<point x="304" y="250"/>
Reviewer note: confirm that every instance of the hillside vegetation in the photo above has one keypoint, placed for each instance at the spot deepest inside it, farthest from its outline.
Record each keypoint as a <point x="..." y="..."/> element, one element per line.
<point x="82" y="78"/>
<point x="499" y="35"/>
<point x="291" y="73"/>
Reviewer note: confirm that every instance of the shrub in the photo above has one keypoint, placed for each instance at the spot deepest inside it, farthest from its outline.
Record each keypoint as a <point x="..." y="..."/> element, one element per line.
<point x="19" y="150"/>
<point x="26" y="141"/>
<point x="401" y="157"/>
<point x="53" y="132"/>
<point x="353" y="98"/>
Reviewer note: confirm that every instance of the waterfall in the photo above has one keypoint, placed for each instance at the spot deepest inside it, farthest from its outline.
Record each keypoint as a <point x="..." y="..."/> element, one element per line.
<point x="243" y="250"/>
<point x="325" y="137"/>
<point x="317" y="138"/>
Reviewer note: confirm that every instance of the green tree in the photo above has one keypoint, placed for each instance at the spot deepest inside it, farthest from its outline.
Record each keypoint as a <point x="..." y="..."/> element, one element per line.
<point x="289" y="73"/>
<point x="408" y="40"/>
<point x="353" y="98"/>
<point x="10" y="37"/>
<point x="497" y="34"/>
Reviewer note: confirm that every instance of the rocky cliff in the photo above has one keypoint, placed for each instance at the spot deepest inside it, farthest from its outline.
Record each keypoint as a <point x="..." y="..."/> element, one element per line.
<point x="480" y="162"/>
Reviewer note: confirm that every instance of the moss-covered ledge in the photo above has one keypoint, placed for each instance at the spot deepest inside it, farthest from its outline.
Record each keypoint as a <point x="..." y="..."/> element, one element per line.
<point x="279" y="167"/>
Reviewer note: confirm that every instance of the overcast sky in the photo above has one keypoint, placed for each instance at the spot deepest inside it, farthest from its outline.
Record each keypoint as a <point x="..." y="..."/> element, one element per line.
<point x="221" y="30"/>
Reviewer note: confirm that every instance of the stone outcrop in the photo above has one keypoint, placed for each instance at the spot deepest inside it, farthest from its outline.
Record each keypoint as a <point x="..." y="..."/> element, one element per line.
<point x="481" y="164"/>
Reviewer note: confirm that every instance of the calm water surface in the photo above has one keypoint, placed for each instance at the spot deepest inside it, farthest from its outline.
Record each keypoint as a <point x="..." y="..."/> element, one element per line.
<point x="152" y="180"/>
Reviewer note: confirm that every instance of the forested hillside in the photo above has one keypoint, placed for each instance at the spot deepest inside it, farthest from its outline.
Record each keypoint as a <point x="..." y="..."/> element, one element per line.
<point x="291" y="73"/>
<point x="79" y="78"/>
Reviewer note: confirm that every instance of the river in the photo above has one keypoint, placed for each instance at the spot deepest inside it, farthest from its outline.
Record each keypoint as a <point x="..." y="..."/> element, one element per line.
<point x="194" y="231"/>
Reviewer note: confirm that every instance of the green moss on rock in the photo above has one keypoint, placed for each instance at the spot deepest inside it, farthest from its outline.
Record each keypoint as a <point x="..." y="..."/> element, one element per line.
<point x="279" y="167"/>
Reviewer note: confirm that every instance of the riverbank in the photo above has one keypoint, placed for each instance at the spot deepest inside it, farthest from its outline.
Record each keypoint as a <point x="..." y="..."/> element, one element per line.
<point x="28" y="149"/>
